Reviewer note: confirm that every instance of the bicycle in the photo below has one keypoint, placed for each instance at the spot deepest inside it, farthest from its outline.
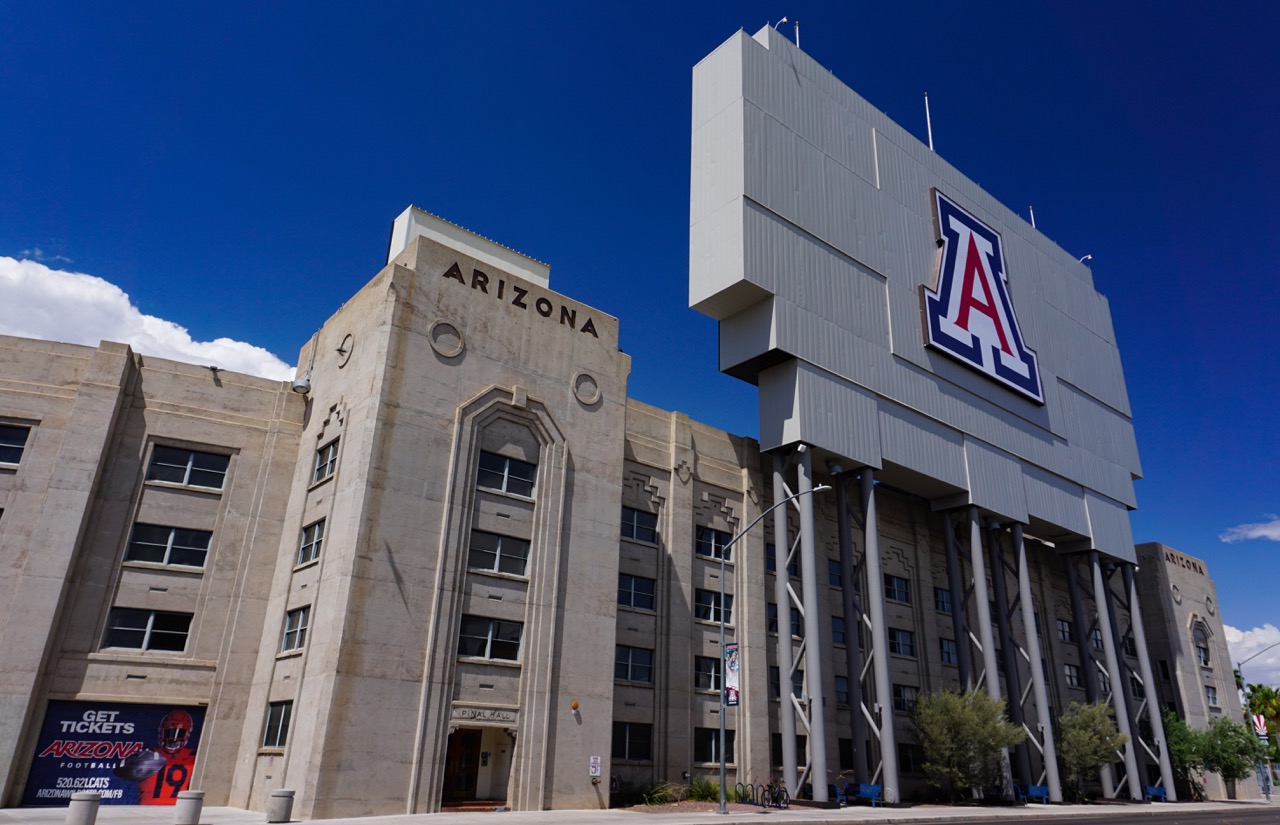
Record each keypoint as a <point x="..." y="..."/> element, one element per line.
<point x="776" y="796"/>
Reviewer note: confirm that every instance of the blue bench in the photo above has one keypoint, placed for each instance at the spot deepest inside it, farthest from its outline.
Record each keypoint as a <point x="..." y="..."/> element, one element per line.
<point x="875" y="793"/>
<point x="1154" y="793"/>
<point x="837" y="796"/>
<point x="1033" y="792"/>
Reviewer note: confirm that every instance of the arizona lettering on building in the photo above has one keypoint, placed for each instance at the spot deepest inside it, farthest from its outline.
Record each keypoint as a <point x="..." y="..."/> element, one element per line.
<point x="519" y="296"/>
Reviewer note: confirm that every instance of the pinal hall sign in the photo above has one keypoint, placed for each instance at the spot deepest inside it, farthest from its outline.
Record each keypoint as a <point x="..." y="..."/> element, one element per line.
<point x="968" y="314"/>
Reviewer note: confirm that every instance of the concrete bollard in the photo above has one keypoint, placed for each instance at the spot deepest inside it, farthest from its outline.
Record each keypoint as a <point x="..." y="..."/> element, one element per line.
<point x="280" y="808"/>
<point x="83" y="809"/>
<point x="190" y="806"/>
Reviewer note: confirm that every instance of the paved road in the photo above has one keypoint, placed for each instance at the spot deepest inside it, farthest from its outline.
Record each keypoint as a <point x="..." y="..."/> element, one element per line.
<point x="1191" y="813"/>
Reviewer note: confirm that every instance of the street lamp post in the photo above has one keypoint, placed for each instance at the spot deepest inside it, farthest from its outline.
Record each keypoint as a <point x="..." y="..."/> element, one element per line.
<point x="724" y="552"/>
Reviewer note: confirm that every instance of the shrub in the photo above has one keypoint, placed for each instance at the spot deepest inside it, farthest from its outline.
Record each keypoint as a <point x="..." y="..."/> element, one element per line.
<point x="706" y="789"/>
<point x="1088" y="740"/>
<point x="663" y="793"/>
<point x="963" y="736"/>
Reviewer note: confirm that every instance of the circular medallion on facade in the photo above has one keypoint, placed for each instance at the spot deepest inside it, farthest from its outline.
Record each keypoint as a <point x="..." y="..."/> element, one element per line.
<point x="1177" y="594"/>
<point x="344" y="349"/>
<point x="1209" y="606"/>
<point x="446" y="339"/>
<point x="585" y="388"/>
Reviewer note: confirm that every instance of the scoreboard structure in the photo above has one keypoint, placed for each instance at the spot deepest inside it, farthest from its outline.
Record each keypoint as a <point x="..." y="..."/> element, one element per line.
<point x="905" y="327"/>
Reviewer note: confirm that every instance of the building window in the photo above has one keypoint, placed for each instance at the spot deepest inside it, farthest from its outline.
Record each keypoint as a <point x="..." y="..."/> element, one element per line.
<point x="845" y="746"/>
<point x="910" y="758"/>
<point x="277" y="727"/>
<point x="775" y="683"/>
<point x="168" y="545"/>
<point x="771" y="561"/>
<point x="706" y="745"/>
<point x="639" y="525"/>
<point x="942" y="600"/>
<point x="636" y="592"/>
<point x="632" y="741"/>
<point x="486" y="638"/>
<point x="295" y="629"/>
<point x="948" y="651"/>
<point x="897" y="589"/>
<point x="797" y="623"/>
<point x="833" y="572"/>
<point x="1073" y="675"/>
<point x="904" y="698"/>
<point x="1095" y="638"/>
<point x="1211" y="696"/>
<point x="326" y="462"/>
<point x="1129" y="646"/>
<point x="506" y="475"/>
<point x="1104" y="682"/>
<point x="1164" y="670"/>
<point x="189" y="467"/>
<point x="633" y="664"/>
<point x="1066" y="631"/>
<point x="771" y="617"/>
<point x="713" y="543"/>
<point x="842" y="691"/>
<point x="1201" y="641"/>
<point x="902" y="642"/>
<point x="775" y="748"/>
<point x="706" y="606"/>
<point x="1136" y="687"/>
<point x="706" y="673"/>
<point x="837" y="630"/>
<point x="312" y="538"/>
<point x="497" y="554"/>
<point x="13" y="442"/>
<point x="147" y="629"/>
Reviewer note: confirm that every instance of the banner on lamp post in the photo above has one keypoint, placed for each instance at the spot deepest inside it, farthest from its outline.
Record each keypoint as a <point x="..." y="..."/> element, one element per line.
<point x="732" y="673"/>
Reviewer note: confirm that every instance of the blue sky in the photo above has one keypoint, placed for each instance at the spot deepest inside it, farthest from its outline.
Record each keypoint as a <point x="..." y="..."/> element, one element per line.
<point x="234" y="169"/>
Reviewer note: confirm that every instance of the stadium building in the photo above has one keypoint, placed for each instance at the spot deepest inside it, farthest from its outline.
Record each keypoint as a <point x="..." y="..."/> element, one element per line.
<point x="454" y="562"/>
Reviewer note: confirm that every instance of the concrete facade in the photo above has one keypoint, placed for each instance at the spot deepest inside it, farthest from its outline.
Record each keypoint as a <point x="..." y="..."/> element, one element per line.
<point x="428" y="367"/>
<point x="1194" y="671"/>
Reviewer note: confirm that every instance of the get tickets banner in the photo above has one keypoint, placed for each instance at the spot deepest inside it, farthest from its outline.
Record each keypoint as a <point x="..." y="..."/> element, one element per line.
<point x="131" y="754"/>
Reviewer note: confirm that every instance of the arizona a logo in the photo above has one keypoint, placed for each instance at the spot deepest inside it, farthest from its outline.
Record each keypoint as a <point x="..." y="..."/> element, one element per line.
<point x="968" y="313"/>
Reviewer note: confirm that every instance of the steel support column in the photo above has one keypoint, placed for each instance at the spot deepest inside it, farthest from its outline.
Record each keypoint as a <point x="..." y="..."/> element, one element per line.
<point x="985" y="639"/>
<point x="815" y="650"/>
<point x="852" y="629"/>
<point x="786" y="655"/>
<point x="1148" y="681"/>
<point x="1038" y="688"/>
<point x="1113" y="669"/>
<point x="959" y="622"/>
<point x="1092" y="692"/>
<point x="880" y="635"/>
<point x="1012" y="681"/>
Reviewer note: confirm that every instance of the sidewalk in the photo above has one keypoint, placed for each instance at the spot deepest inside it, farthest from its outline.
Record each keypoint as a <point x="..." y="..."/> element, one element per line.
<point x="143" y="815"/>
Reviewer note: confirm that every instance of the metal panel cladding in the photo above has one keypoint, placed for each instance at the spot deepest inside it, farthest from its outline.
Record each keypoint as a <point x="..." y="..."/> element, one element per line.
<point x="857" y="274"/>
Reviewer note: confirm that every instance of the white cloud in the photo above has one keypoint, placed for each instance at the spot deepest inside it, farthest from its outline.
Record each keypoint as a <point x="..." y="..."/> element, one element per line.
<point x="1261" y="530"/>
<point x="1265" y="669"/>
<point x="75" y="308"/>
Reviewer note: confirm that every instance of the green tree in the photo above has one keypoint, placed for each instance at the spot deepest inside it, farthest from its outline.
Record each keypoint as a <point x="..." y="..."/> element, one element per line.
<point x="1087" y="741"/>
<point x="962" y="736"/>
<point x="1231" y="750"/>
<point x="1186" y="751"/>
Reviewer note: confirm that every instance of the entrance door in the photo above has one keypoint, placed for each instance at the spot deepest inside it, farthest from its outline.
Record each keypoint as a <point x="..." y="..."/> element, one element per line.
<point x="461" y="764"/>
